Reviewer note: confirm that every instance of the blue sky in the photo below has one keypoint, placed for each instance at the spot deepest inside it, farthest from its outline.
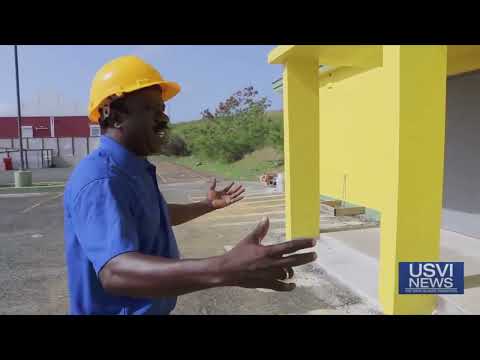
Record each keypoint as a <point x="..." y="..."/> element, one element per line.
<point x="55" y="80"/>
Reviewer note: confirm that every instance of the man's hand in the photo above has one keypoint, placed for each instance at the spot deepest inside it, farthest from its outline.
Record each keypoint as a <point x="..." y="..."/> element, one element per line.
<point x="252" y="265"/>
<point x="225" y="197"/>
<point x="248" y="265"/>
<point x="181" y="213"/>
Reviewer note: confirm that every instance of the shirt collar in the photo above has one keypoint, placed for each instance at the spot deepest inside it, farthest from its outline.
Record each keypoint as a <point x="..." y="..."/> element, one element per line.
<point x="124" y="158"/>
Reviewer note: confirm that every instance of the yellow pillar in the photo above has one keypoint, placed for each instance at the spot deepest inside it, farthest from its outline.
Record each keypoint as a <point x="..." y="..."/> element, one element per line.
<point x="300" y="102"/>
<point x="410" y="229"/>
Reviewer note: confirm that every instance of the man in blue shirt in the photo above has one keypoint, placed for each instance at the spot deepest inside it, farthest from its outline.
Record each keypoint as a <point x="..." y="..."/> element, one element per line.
<point x="121" y="252"/>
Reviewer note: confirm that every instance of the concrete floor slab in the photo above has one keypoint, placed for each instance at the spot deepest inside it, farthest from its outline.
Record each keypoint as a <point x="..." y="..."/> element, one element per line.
<point x="341" y="252"/>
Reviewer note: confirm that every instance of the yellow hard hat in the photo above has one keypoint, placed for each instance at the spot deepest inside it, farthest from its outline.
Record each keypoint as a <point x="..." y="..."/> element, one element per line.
<point x="124" y="75"/>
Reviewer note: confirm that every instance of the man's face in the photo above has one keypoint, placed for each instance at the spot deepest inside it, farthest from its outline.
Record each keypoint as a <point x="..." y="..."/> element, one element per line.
<point x="146" y="125"/>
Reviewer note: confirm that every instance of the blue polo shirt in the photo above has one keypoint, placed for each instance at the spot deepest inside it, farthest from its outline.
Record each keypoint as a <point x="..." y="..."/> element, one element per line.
<point x="113" y="206"/>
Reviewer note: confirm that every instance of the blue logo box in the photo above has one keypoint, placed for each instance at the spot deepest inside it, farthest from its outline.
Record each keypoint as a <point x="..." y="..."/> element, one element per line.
<point x="431" y="278"/>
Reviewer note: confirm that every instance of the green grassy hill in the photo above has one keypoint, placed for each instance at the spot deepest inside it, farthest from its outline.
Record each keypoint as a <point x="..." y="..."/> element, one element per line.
<point x="206" y="140"/>
<point x="249" y="168"/>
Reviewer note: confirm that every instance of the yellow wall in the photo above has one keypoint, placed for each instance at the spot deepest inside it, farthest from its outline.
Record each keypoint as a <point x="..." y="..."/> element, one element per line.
<point x="384" y="129"/>
<point x="356" y="138"/>
<point x="356" y="122"/>
<point x="381" y="135"/>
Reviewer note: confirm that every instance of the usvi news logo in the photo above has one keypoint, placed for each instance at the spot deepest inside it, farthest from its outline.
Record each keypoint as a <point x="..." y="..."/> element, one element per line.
<point x="431" y="278"/>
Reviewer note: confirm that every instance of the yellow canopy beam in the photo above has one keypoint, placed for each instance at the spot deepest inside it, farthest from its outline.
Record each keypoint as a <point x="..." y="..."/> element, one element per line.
<point x="361" y="56"/>
<point x="462" y="59"/>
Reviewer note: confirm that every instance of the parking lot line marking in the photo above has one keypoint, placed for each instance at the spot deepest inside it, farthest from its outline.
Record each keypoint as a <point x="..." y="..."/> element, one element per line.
<point x="40" y="203"/>
<point x="23" y="195"/>
<point x="246" y="202"/>
<point x="248" y="222"/>
<point x="216" y="217"/>
<point x="268" y="195"/>
<point x="247" y="197"/>
<point x="162" y="178"/>
<point x="256" y="207"/>
<point x="183" y="184"/>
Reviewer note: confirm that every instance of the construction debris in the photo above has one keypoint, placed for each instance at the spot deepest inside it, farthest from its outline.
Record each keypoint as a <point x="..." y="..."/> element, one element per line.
<point x="337" y="208"/>
<point x="269" y="179"/>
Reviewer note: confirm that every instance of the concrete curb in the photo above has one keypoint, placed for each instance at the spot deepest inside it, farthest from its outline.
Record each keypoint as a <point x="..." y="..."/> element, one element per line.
<point x="337" y="260"/>
<point x="447" y="307"/>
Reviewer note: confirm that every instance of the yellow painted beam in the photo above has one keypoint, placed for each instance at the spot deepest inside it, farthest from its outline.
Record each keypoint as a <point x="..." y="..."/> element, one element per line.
<point x="301" y="108"/>
<point x="338" y="74"/>
<point x="462" y="59"/>
<point x="362" y="56"/>
<point x="279" y="54"/>
<point x="415" y="81"/>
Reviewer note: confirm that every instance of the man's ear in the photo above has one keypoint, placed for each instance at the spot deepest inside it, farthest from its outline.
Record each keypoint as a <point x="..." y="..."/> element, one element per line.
<point x="118" y="120"/>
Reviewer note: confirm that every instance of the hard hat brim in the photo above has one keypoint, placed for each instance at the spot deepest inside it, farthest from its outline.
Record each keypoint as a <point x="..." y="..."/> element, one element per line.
<point x="169" y="90"/>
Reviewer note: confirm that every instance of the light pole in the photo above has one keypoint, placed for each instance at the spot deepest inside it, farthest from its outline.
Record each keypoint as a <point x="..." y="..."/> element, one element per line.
<point x="19" y="110"/>
<point x="22" y="177"/>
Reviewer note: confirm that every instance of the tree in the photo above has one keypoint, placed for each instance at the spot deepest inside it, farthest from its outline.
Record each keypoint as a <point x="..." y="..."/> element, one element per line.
<point x="241" y="103"/>
<point x="239" y="125"/>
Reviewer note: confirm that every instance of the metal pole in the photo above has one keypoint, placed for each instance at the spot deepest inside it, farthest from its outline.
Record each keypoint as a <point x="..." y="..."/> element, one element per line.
<point x="19" y="118"/>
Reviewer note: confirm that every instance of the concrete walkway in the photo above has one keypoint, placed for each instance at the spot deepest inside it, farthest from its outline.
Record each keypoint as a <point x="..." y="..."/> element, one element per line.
<point x="340" y="252"/>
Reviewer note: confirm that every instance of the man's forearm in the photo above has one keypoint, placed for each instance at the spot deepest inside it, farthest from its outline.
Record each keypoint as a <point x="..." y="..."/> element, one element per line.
<point x="182" y="213"/>
<point x="145" y="276"/>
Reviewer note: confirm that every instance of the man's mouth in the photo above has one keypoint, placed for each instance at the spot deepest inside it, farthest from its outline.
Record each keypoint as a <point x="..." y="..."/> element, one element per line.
<point x="161" y="129"/>
<point x="161" y="132"/>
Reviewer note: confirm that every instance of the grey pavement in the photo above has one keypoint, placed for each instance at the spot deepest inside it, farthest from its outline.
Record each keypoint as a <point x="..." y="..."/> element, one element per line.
<point x="38" y="175"/>
<point x="32" y="266"/>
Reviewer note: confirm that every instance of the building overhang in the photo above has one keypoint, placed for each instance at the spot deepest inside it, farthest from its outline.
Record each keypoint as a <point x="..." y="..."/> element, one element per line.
<point x="348" y="60"/>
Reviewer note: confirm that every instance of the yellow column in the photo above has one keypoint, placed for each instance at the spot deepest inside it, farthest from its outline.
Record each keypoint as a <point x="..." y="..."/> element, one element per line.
<point x="300" y="99"/>
<point x="410" y="229"/>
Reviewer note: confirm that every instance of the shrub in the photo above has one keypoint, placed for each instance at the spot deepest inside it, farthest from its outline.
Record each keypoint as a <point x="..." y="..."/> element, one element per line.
<point x="238" y="126"/>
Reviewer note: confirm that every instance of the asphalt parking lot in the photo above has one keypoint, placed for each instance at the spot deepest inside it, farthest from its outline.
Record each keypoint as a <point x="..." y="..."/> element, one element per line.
<point x="32" y="266"/>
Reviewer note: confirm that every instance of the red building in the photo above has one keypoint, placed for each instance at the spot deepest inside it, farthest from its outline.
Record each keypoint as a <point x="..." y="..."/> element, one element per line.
<point x="45" y="126"/>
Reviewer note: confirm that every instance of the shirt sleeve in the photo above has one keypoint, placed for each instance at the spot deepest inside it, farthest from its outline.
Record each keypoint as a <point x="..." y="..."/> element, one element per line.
<point x="104" y="221"/>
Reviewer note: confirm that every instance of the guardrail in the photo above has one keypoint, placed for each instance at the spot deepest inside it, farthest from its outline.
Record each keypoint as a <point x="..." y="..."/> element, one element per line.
<point x="48" y="151"/>
<point x="45" y="160"/>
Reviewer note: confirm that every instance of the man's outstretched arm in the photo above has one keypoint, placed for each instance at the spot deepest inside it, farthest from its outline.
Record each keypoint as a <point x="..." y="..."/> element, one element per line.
<point x="249" y="264"/>
<point x="182" y="213"/>
<point x="146" y="276"/>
